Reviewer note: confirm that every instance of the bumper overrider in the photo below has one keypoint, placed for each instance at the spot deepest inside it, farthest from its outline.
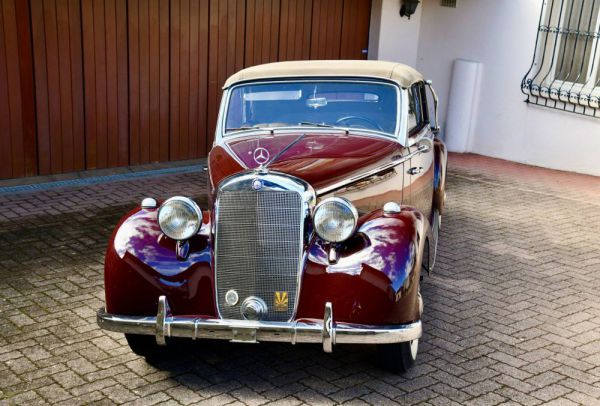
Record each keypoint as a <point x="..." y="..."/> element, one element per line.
<point x="326" y="331"/>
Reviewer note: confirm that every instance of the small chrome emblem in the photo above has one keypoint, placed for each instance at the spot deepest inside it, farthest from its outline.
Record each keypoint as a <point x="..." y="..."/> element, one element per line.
<point x="257" y="184"/>
<point x="281" y="301"/>
<point x="231" y="297"/>
<point x="261" y="156"/>
<point x="254" y="308"/>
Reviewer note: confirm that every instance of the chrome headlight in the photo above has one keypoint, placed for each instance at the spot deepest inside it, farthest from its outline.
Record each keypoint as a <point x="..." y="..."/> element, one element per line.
<point x="179" y="218"/>
<point x="335" y="219"/>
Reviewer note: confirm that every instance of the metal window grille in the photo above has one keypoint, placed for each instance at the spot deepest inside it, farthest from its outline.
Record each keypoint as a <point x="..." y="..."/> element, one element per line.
<point x="565" y="72"/>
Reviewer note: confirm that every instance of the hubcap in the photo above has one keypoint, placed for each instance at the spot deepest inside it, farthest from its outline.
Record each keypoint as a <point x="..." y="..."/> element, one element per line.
<point x="437" y="219"/>
<point x="414" y="348"/>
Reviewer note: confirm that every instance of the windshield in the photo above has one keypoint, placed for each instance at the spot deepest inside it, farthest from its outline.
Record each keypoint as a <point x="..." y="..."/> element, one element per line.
<point x="361" y="105"/>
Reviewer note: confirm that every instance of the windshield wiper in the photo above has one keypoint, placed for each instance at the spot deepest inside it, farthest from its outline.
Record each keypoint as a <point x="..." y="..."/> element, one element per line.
<point x="244" y="127"/>
<point x="258" y="127"/>
<point x="316" y="124"/>
<point x="290" y="145"/>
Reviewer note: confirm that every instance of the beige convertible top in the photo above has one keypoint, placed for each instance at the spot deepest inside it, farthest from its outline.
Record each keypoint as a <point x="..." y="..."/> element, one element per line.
<point x="403" y="75"/>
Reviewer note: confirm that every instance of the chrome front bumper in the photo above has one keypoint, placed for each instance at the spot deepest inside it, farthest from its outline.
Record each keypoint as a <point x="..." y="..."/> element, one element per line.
<point x="325" y="331"/>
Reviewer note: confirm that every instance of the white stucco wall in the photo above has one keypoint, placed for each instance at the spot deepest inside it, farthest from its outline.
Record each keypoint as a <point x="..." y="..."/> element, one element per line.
<point x="501" y="36"/>
<point x="393" y="38"/>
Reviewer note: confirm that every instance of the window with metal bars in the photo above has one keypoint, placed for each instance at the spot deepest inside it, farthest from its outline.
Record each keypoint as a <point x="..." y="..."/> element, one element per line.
<point x="565" y="72"/>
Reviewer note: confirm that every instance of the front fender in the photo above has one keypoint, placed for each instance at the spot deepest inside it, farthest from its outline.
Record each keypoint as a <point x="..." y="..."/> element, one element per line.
<point x="141" y="265"/>
<point x="376" y="278"/>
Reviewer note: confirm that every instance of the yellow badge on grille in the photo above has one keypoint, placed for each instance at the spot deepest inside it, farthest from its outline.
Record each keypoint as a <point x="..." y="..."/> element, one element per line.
<point x="281" y="301"/>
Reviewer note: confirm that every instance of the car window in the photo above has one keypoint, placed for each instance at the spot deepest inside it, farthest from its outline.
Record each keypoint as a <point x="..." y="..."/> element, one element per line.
<point x="413" y="122"/>
<point x="416" y="111"/>
<point x="424" y="103"/>
<point x="361" y="105"/>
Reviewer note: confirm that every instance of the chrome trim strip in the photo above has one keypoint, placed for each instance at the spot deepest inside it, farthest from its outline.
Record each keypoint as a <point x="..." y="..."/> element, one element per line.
<point x="325" y="332"/>
<point x="219" y="126"/>
<point x="403" y="133"/>
<point x="374" y="171"/>
<point x="436" y="126"/>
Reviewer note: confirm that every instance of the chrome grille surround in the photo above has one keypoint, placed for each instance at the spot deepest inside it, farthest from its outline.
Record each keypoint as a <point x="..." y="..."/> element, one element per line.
<point x="259" y="240"/>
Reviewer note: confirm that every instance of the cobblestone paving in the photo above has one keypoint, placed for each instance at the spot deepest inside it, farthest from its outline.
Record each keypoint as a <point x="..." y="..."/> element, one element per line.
<point x="512" y="310"/>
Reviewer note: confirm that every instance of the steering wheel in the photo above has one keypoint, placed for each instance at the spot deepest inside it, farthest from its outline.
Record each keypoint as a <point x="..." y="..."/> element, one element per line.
<point x="371" y="124"/>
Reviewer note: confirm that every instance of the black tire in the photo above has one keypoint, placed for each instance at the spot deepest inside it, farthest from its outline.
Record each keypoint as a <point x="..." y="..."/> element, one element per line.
<point x="144" y="346"/>
<point x="397" y="357"/>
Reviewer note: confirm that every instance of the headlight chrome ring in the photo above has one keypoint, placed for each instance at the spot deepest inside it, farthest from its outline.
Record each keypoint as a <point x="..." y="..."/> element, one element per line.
<point x="335" y="219"/>
<point x="179" y="218"/>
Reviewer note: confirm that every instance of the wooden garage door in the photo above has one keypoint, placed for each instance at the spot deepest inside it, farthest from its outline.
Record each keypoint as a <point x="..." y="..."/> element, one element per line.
<point x="103" y="83"/>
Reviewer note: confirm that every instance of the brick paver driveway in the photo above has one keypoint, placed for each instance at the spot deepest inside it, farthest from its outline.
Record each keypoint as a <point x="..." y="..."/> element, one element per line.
<point x="512" y="311"/>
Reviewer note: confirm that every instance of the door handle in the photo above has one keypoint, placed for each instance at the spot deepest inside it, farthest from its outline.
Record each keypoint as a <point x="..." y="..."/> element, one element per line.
<point x="423" y="148"/>
<point x="415" y="170"/>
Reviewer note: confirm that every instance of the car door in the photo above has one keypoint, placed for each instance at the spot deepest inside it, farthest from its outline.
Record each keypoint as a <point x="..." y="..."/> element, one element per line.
<point x="419" y="170"/>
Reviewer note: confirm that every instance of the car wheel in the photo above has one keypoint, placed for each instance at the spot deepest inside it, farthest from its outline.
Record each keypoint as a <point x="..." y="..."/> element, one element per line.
<point x="144" y="346"/>
<point x="398" y="357"/>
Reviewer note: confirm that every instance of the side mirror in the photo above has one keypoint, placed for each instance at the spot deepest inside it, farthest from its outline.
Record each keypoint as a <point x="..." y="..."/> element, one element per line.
<point x="435" y="126"/>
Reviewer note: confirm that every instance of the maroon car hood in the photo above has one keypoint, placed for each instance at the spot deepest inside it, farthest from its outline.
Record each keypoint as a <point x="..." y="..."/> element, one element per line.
<point x="320" y="159"/>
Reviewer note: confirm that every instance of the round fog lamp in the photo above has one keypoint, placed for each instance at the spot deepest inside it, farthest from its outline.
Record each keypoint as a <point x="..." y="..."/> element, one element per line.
<point x="179" y="218"/>
<point x="335" y="219"/>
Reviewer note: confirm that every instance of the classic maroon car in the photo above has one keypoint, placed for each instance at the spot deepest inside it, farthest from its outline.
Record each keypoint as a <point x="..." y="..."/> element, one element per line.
<point x="326" y="189"/>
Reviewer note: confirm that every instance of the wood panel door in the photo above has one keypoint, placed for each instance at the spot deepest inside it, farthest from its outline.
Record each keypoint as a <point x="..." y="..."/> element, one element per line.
<point x="18" y="149"/>
<point x="88" y="84"/>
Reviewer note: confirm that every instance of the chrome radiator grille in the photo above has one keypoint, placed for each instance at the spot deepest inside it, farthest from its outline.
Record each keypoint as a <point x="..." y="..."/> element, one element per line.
<point x="258" y="249"/>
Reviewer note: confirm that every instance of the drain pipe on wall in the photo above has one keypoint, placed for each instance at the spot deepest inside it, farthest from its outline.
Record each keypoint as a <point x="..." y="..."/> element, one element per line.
<point x="462" y="105"/>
